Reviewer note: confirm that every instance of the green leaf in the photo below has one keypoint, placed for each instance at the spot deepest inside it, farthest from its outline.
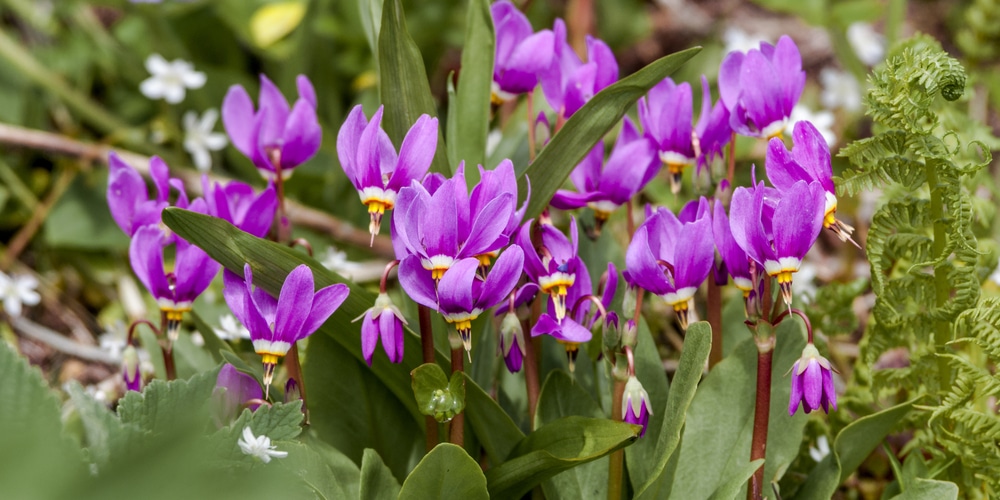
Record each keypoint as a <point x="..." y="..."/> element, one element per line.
<point x="352" y="410"/>
<point x="556" y="447"/>
<point x="719" y="426"/>
<point x="436" y="396"/>
<point x="38" y="459"/>
<point x="446" y="472"/>
<point x="469" y="112"/>
<point x="376" y="479"/>
<point x="922" y="489"/>
<point x="588" y="125"/>
<point x="403" y="87"/>
<point x="313" y="472"/>
<point x="730" y="489"/>
<point x="562" y="397"/>
<point x="345" y="471"/>
<point x="494" y="428"/>
<point x="271" y="263"/>
<point x="850" y="448"/>
<point x="164" y="407"/>
<point x="106" y="437"/>
<point x="697" y="345"/>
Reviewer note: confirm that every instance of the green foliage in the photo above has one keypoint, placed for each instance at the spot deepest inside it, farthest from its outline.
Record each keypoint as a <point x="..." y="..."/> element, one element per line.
<point x="437" y="396"/>
<point x="927" y="263"/>
<point x="446" y="472"/>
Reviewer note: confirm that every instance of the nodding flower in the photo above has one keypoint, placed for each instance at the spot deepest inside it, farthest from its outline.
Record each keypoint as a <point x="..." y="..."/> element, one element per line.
<point x="521" y="54"/>
<point x="761" y="87"/>
<point x="370" y="160"/>
<point x="812" y="382"/>
<point x="237" y="203"/>
<point x="809" y="160"/>
<point x="569" y="82"/>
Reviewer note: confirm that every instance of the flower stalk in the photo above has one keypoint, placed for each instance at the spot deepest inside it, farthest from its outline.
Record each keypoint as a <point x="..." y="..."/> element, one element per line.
<point x="427" y="344"/>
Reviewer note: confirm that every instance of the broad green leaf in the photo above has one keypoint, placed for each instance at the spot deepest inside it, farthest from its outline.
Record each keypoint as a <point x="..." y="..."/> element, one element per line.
<point x="446" y="472"/>
<point x="646" y="458"/>
<point x="719" y="424"/>
<point x="492" y="425"/>
<point x="371" y="21"/>
<point x="697" y="345"/>
<point x="255" y="370"/>
<point x="163" y="407"/>
<point x="850" y="448"/>
<point x="312" y="472"/>
<point x="106" y="437"/>
<point x="38" y="459"/>
<point x="271" y="263"/>
<point x="345" y="472"/>
<point x="562" y="397"/>
<point x="556" y="447"/>
<point x="436" y="396"/>
<point x="922" y="489"/>
<point x="352" y="410"/>
<point x="376" y="479"/>
<point x="272" y="22"/>
<point x="588" y="125"/>
<point x="403" y="86"/>
<point x="730" y="490"/>
<point x="469" y="112"/>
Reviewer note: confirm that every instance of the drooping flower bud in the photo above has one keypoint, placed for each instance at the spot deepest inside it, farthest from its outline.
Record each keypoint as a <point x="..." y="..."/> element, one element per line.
<point x="130" y="369"/>
<point x="511" y="345"/>
<point x="812" y="382"/>
<point x="635" y="404"/>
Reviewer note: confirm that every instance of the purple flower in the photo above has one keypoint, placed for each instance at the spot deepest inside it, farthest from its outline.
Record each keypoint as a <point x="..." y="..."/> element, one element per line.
<point x="450" y="224"/>
<point x="809" y="160"/>
<point x="761" y="87"/>
<point x="606" y="186"/>
<point x="812" y="382"/>
<point x="736" y="260"/>
<point x="520" y="53"/>
<point x="712" y="131"/>
<point x="370" y="161"/>
<point x="461" y="295"/>
<point x="574" y="327"/>
<point x="511" y="342"/>
<point x="670" y="257"/>
<point x="130" y="369"/>
<point x="233" y="391"/>
<point x="554" y="270"/>
<point x="235" y="203"/>
<point x="635" y="404"/>
<point x="276" y="324"/>
<point x="274" y="137"/>
<point x="777" y="229"/>
<point x="383" y="320"/>
<point x="666" y="114"/>
<point x="130" y="204"/>
<point x="569" y="83"/>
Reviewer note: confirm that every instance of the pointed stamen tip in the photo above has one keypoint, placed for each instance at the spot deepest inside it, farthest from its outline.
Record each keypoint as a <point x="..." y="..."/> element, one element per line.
<point x="786" y="293"/>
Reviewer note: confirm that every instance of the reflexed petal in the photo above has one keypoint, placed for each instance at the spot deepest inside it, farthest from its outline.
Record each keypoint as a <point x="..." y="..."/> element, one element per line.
<point x="586" y="176"/>
<point x="416" y="152"/>
<point x="348" y="141"/>
<point x="277" y="106"/>
<point x="798" y="219"/>
<point x="306" y="90"/>
<point x="788" y="68"/>
<point x="610" y="286"/>
<point x="607" y="67"/>
<point x="512" y="26"/>
<point x="488" y="226"/>
<point x="734" y="256"/>
<point x="532" y="56"/>
<point x="569" y="200"/>
<point x="371" y="152"/>
<point x="194" y="271"/>
<point x="796" y="395"/>
<point x="410" y="203"/>
<point x="581" y="88"/>
<point x="760" y="90"/>
<point x="532" y="262"/>
<point x="417" y="282"/>
<point x="626" y="170"/>
<point x="294" y="303"/>
<point x="324" y="303"/>
<point x="260" y="213"/>
<point x="160" y="174"/>
<point x="392" y="336"/>
<point x="146" y="255"/>
<point x="782" y="169"/>
<point x="813" y="154"/>
<point x="502" y="278"/>
<point x="438" y="227"/>
<point x="729" y="79"/>
<point x="829" y="391"/>
<point x="369" y="336"/>
<point x="455" y="290"/>
<point x="642" y="266"/>
<point x="238" y="117"/>
<point x="126" y="190"/>
<point x="235" y="291"/>
<point x="301" y="136"/>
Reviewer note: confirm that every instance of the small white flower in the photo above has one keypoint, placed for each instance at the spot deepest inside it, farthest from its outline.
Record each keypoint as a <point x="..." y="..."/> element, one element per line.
<point x="803" y="282"/>
<point x="336" y="261"/>
<point x="821" y="450"/>
<point x="822" y="120"/>
<point x="996" y="275"/>
<point x="170" y="80"/>
<point x="112" y="340"/>
<point x="197" y="339"/>
<point x="738" y="40"/>
<point x="230" y="329"/>
<point x="840" y="90"/>
<point x="867" y="43"/>
<point x="17" y="292"/>
<point x="200" y="140"/>
<point x="259" y="447"/>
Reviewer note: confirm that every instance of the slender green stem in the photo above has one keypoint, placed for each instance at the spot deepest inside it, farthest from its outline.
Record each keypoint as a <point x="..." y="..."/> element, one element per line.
<point x="942" y="330"/>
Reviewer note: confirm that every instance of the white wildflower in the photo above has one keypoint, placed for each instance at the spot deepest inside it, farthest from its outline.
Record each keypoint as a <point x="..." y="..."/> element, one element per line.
<point x="197" y="339"/>
<point x="737" y="40"/>
<point x="821" y="450"/>
<point x="840" y="90"/>
<point x="822" y="120"/>
<point x="112" y="340"/>
<point x="17" y="292"/>
<point x="336" y="261"/>
<point x="230" y="329"/>
<point x="200" y="140"/>
<point x="170" y="80"/>
<point x="867" y="43"/>
<point x="259" y="447"/>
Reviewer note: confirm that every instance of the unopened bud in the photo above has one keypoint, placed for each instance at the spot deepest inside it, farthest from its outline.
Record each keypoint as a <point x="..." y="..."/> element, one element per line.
<point x="630" y="334"/>
<point x="630" y="300"/>
<point x="130" y="369"/>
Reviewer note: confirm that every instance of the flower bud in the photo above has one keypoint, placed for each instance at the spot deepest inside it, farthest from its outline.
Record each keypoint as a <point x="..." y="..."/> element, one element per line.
<point x="630" y="334"/>
<point x="812" y="382"/>
<point x="130" y="369"/>
<point x="630" y="300"/>
<point x="511" y="345"/>
<point x="635" y="405"/>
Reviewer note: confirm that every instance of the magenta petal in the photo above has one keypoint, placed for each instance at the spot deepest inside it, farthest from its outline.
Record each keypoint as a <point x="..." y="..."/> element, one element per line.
<point x="325" y="302"/>
<point x="302" y="136"/>
<point x="626" y="169"/>
<point x="234" y="290"/>
<point x="258" y="308"/>
<point x="502" y="278"/>
<point x="369" y="336"/>
<point x="146" y="255"/>
<point x="194" y="271"/>
<point x="456" y="288"/>
<point x="569" y="200"/>
<point x="126" y="190"/>
<point x="260" y="213"/>
<point x="294" y="303"/>
<point x="782" y="170"/>
<point x="416" y="152"/>
<point x="798" y="219"/>
<point x="160" y="174"/>
<point x="488" y="226"/>
<point x="796" y="394"/>
<point x="392" y="339"/>
<point x="607" y="67"/>
<point x="438" y="227"/>
<point x="813" y="154"/>
<point x="642" y="264"/>
<point x="829" y="391"/>
<point x="306" y="90"/>
<point x="348" y="141"/>
<point x="417" y="282"/>
<point x="410" y="203"/>
<point x="812" y="385"/>
<point x="237" y="118"/>
<point x="275" y="103"/>
<point x="373" y="154"/>
<point x="729" y="79"/>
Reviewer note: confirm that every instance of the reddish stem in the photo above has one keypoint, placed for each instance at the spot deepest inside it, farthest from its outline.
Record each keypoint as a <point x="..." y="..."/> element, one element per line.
<point x="427" y="344"/>
<point x="761" y="415"/>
